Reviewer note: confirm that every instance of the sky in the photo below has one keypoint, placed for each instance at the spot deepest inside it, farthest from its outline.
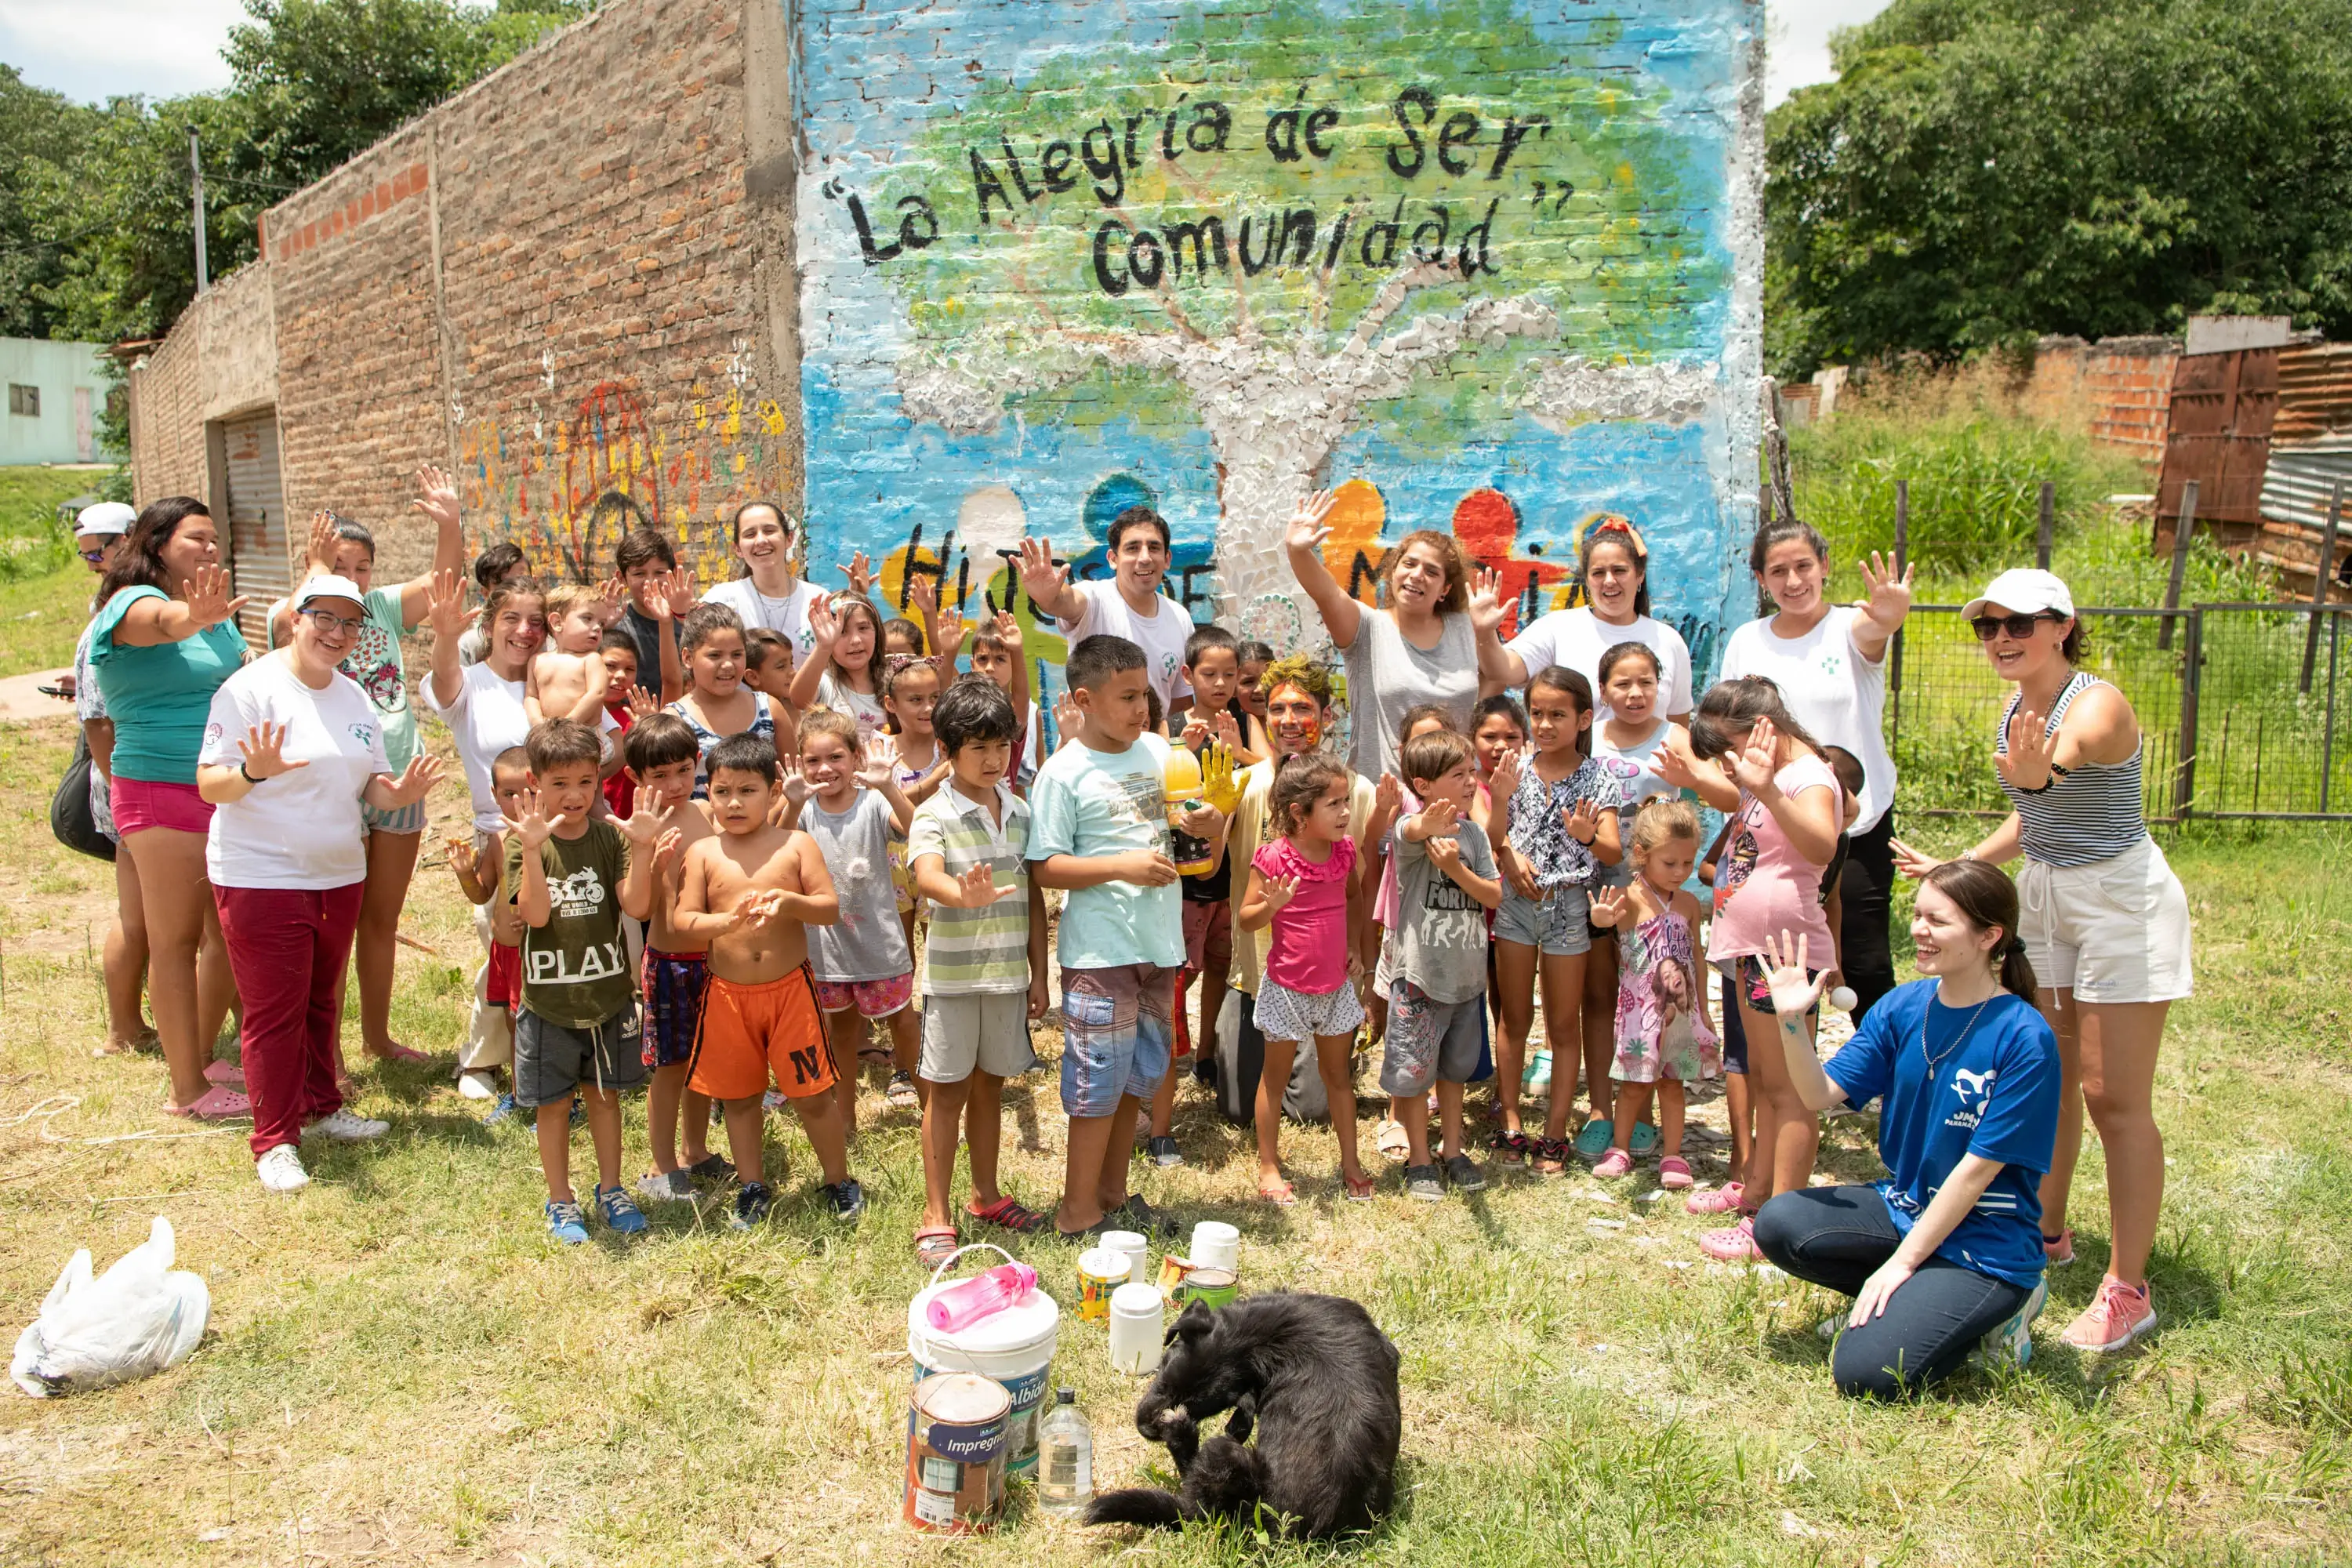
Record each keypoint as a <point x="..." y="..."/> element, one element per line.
<point x="93" y="49"/>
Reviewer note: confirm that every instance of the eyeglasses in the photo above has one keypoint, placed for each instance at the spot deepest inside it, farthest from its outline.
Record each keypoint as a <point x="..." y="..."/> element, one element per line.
<point x="331" y="624"/>
<point x="93" y="556"/>
<point x="2019" y="627"/>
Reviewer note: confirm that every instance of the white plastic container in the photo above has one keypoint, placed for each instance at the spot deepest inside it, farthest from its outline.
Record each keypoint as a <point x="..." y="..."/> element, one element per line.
<point x="1014" y="1347"/>
<point x="1138" y="1249"/>
<point x="1216" y="1244"/>
<point x="1135" y="1329"/>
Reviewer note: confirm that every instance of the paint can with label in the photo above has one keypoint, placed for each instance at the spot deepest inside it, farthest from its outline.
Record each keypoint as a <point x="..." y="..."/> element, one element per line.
<point x="1172" y="1270"/>
<point x="1013" y="1347"/>
<point x="1100" y="1271"/>
<point x="1215" y="1245"/>
<point x="955" y="1453"/>
<point x="1211" y="1287"/>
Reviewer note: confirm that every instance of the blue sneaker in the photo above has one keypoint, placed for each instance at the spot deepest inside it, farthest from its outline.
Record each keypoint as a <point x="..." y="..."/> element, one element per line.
<point x="2012" y="1344"/>
<point x="567" y="1225"/>
<point x="1593" y="1143"/>
<point x="1644" y="1141"/>
<point x="501" y="1111"/>
<point x="621" y="1214"/>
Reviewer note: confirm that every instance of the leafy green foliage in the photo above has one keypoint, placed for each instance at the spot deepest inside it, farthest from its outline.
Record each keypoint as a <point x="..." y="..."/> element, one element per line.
<point x="94" y="202"/>
<point x="1986" y="170"/>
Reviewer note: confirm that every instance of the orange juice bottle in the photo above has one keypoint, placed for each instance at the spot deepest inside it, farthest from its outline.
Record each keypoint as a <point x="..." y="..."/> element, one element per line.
<point x="1182" y="784"/>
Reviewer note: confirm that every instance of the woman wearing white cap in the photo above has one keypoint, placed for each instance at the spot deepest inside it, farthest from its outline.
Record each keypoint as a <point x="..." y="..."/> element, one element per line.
<point x="99" y="533"/>
<point x="293" y="754"/>
<point x="2104" y="921"/>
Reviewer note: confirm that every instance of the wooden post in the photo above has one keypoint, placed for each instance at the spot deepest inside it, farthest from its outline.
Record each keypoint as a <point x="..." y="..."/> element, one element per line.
<point x="1902" y="558"/>
<point x="2326" y="570"/>
<point x="2183" y="527"/>
<point x="2049" y="525"/>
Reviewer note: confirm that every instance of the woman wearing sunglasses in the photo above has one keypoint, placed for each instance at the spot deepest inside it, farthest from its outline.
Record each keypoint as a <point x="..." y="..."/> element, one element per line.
<point x="293" y="754"/>
<point x="2104" y="921"/>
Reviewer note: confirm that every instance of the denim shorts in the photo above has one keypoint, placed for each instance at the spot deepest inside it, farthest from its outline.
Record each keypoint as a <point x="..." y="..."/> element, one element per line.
<point x="1560" y="923"/>
<point x="1116" y="1035"/>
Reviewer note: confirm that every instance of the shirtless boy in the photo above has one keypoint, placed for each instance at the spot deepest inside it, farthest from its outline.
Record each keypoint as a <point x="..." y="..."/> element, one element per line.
<point x="748" y="891"/>
<point x="568" y="680"/>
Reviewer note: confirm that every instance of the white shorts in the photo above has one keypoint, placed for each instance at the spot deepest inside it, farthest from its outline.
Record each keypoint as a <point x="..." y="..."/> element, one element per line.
<point x="1299" y="1017"/>
<point x="989" y="1031"/>
<point x="2114" y="930"/>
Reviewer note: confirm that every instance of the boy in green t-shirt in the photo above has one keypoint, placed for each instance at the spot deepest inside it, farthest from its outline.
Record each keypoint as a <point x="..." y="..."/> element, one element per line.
<point x="576" y="1029"/>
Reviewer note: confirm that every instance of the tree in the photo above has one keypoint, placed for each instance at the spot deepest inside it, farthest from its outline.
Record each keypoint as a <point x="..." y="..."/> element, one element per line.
<point x="1242" y="235"/>
<point x="37" y="127"/>
<point x="1985" y="170"/>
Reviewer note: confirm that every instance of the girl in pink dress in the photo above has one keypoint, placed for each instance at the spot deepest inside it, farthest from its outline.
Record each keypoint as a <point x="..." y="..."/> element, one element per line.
<point x="1663" y="1037"/>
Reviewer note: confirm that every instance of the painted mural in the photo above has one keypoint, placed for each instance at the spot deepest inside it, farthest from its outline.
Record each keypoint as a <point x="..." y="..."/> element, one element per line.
<point x="569" y="481"/>
<point x="1490" y="264"/>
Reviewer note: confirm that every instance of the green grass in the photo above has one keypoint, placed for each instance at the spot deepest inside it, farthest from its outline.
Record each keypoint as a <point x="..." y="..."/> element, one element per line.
<point x="44" y="589"/>
<point x="399" y="1369"/>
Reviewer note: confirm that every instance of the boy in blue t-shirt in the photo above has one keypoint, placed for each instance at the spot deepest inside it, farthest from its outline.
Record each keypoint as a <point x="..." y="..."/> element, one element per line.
<point x="1099" y="828"/>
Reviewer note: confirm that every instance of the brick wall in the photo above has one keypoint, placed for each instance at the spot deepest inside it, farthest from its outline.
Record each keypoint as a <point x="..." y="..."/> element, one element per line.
<point x="548" y="284"/>
<point x="2118" y="391"/>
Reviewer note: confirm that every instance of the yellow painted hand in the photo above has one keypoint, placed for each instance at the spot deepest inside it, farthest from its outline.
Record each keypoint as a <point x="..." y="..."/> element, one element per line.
<point x="1218" y="786"/>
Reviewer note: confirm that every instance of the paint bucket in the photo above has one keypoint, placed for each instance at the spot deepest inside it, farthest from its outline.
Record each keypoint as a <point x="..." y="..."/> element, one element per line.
<point x="1215" y="1245"/>
<point x="1100" y="1271"/>
<point x="1014" y="1347"/>
<point x="1172" y="1270"/>
<point x="1212" y="1287"/>
<point x="1135" y="1329"/>
<point x="955" y="1453"/>
<point x="1138" y="1249"/>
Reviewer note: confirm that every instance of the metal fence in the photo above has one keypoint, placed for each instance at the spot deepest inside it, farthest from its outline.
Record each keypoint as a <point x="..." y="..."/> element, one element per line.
<point x="2241" y="706"/>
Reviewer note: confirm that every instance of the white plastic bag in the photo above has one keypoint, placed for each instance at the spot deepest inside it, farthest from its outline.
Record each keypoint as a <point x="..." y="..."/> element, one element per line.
<point x="143" y="1315"/>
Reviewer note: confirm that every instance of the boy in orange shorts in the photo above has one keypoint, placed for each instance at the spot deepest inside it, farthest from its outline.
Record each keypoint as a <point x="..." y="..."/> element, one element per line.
<point x="748" y="892"/>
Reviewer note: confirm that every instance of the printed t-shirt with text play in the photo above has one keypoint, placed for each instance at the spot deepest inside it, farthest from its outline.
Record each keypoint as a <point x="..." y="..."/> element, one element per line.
<point x="576" y="970"/>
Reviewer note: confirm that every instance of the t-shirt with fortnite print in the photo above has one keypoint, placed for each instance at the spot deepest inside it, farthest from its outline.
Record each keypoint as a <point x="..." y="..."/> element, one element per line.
<point x="1439" y="940"/>
<point x="575" y="968"/>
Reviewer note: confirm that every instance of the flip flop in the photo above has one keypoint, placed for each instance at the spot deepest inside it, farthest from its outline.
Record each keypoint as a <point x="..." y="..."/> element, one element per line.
<point x="1281" y="1195"/>
<point x="1015" y="1217"/>
<point x="934" y="1245"/>
<point x="1360" y="1190"/>
<point x="228" y="1074"/>
<point x="218" y="1103"/>
<point x="1393" y="1142"/>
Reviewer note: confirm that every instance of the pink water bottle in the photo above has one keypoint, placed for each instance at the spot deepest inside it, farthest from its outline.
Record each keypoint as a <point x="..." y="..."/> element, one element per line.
<point x="960" y="1306"/>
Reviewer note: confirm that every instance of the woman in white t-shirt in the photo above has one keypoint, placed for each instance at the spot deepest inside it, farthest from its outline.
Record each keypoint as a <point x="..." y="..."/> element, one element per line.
<point x="1830" y="663"/>
<point x="1614" y="565"/>
<point x="769" y="596"/>
<point x="293" y="751"/>
<point x="482" y="705"/>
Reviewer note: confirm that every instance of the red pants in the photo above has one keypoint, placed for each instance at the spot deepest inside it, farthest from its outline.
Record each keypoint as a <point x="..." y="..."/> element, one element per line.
<point x="287" y="948"/>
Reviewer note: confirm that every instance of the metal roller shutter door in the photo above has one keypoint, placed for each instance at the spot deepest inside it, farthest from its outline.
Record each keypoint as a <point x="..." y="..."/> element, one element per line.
<point x="256" y="522"/>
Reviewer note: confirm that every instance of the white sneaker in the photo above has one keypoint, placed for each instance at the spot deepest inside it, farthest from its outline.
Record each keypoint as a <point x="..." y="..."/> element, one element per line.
<point x="2012" y="1344"/>
<point x="346" y="1127"/>
<point x="280" y="1169"/>
<point x="477" y="1085"/>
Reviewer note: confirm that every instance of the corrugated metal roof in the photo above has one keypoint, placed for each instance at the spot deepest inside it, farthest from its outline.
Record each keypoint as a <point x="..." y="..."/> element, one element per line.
<point x="2296" y="485"/>
<point x="2315" y="393"/>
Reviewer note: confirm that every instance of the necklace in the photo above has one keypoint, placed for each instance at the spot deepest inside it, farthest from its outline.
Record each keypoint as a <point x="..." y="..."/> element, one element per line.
<point x="1935" y="1061"/>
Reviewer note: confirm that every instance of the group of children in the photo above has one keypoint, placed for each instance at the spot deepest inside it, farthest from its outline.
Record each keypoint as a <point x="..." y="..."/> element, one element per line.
<point x="725" y="917"/>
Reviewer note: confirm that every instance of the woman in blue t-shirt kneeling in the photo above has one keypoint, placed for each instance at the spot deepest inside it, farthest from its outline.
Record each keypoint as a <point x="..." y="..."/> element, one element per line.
<point x="1945" y="1254"/>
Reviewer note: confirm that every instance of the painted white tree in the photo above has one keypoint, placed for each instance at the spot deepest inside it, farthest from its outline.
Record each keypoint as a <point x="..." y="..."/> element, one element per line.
<point x="1292" y="221"/>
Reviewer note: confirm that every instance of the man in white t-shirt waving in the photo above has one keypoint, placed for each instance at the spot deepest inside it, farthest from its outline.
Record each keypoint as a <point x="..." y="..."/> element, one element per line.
<point x="1129" y="605"/>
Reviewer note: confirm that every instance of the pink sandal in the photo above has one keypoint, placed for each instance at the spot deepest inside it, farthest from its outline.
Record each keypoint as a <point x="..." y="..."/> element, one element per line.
<point x="1674" y="1172"/>
<point x="399" y="1053"/>
<point x="1722" y="1200"/>
<point x="227" y="1075"/>
<point x="218" y="1103"/>
<point x="1733" y="1243"/>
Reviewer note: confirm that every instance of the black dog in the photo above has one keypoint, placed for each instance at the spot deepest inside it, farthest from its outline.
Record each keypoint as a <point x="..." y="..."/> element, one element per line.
<point x="1317" y="1379"/>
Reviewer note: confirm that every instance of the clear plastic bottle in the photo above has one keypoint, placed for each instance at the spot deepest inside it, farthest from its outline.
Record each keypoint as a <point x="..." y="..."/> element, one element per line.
<point x="1065" y="1457"/>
